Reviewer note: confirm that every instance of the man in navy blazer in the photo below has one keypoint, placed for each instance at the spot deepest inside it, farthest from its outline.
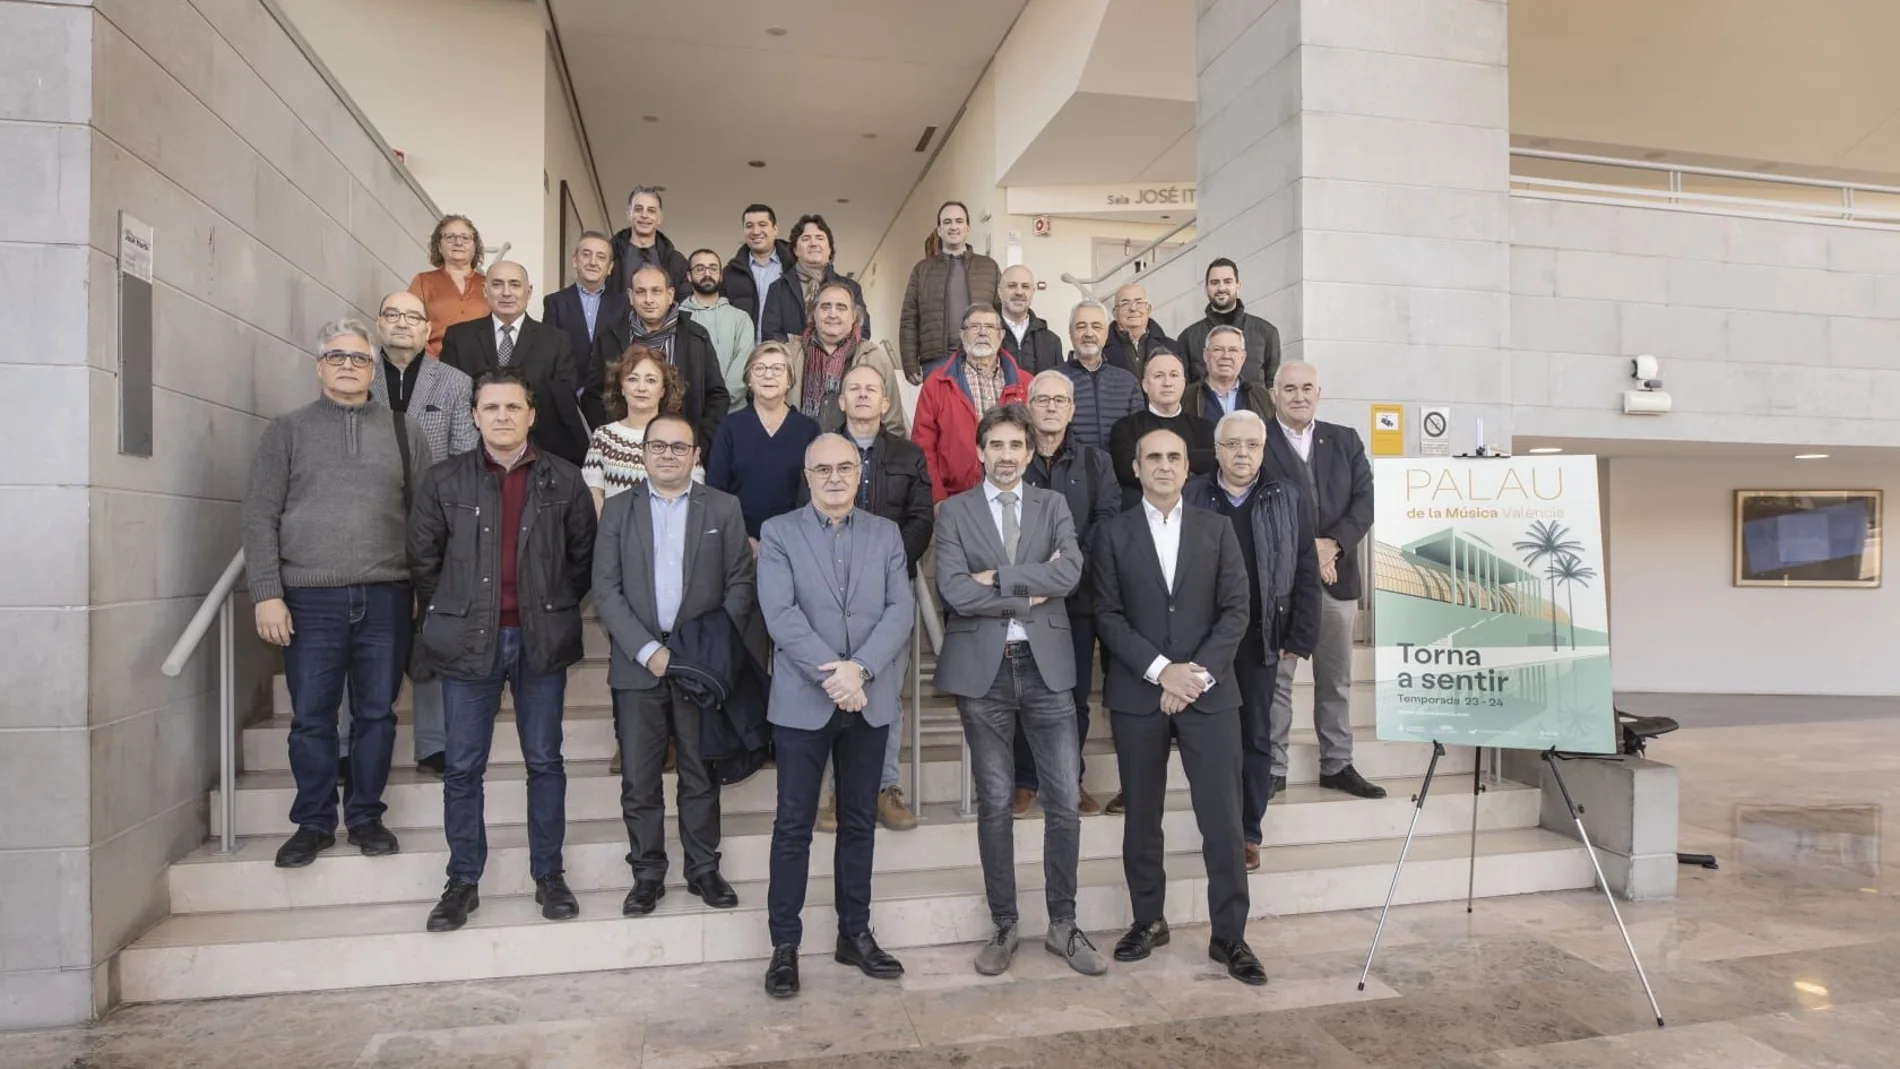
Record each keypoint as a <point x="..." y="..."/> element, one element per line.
<point x="590" y="305"/>
<point x="834" y="588"/>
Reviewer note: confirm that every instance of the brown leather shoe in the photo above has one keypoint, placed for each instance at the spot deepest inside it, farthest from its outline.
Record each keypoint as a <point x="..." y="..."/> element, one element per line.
<point x="892" y="812"/>
<point x="828" y="815"/>
<point x="1023" y="798"/>
<point x="1253" y="857"/>
<point x="1085" y="803"/>
<point x="1115" y="806"/>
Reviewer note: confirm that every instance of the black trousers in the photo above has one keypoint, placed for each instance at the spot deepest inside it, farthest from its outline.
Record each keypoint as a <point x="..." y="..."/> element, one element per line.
<point x="643" y="721"/>
<point x="1210" y="753"/>
<point x="857" y="750"/>
<point x="1256" y="731"/>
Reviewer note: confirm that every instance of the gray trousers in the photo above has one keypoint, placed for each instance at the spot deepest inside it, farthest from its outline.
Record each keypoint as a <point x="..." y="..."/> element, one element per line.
<point x="1332" y="691"/>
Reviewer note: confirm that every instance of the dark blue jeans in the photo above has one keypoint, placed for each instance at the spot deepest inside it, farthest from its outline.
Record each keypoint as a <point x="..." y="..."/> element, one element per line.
<point x="354" y="638"/>
<point x="471" y="706"/>
<point x="857" y="749"/>
<point x="1256" y="732"/>
<point x="1082" y="627"/>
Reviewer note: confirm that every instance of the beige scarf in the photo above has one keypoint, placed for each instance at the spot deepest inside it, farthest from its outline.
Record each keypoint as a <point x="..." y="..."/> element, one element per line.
<point x="810" y="281"/>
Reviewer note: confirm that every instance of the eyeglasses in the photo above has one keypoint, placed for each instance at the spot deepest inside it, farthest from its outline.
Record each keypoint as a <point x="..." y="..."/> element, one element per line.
<point x="397" y="315"/>
<point x="457" y="239"/>
<point x="1132" y="304"/>
<point x="1242" y="445"/>
<point x="829" y="471"/>
<point x="1051" y="401"/>
<point x="340" y="357"/>
<point x="773" y="369"/>
<point x="660" y="449"/>
<point x="983" y="328"/>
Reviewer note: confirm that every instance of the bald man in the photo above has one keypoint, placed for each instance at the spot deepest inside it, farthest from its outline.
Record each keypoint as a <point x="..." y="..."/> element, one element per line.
<point x="508" y="337"/>
<point x="1025" y="336"/>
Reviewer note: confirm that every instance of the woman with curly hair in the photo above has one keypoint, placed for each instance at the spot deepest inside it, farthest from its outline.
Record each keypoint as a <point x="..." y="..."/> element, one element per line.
<point x="640" y="386"/>
<point x="452" y="293"/>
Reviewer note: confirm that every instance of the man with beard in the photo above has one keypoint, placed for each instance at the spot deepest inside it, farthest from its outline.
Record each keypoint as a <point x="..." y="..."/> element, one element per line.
<point x="980" y="376"/>
<point x="1225" y="310"/>
<point x="1025" y="336"/>
<point x="656" y="322"/>
<point x="642" y="243"/>
<point x="1104" y="393"/>
<point x="731" y="329"/>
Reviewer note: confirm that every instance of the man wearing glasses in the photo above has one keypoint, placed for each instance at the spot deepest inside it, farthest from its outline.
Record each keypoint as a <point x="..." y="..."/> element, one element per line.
<point x="731" y="329"/>
<point x="1275" y="531"/>
<point x="1134" y="337"/>
<point x="325" y="548"/>
<point x="834" y="587"/>
<point x="979" y="377"/>
<point x="670" y="550"/>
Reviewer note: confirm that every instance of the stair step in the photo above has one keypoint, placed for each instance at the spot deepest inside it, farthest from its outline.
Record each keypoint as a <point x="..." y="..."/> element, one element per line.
<point x="415" y="798"/>
<point x="219" y="955"/>
<point x="594" y="855"/>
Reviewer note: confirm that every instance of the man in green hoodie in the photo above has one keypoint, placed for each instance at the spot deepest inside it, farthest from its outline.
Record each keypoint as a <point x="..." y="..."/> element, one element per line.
<point x="730" y="327"/>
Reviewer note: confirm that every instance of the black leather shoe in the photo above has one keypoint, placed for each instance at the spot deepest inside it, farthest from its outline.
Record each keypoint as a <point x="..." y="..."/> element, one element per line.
<point x="1141" y="940"/>
<point x="373" y="839"/>
<point x="645" y="895"/>
<point x="781" y="977"/>
<point x="435" y="764"/>
<point x="1349" y="780"/>
<point x="458" y="901"/>
<point x="556" y="901"/>
<point x="1240" y="962"/>
<point x="302" y="848"/>
<point x="713" y="890"/>
<point x="1277" y="788"/>
<point x="871" y="960"/>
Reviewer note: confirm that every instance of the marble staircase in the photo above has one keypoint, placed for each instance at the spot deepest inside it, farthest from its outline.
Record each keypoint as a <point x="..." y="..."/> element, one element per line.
<point x="241" y="926"/>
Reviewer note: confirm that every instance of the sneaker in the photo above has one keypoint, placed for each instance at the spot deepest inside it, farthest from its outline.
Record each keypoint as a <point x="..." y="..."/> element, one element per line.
<point x="828" y="815"/>
<point x="303" y="848"/>
<point x="1085" y="803"/>
<point x="1019" y="807"/>
<point x="1070" y="943"/>
<point x="891" y="810"/>
<point x="993" y="959"/>
<point x="1349" y="780"/>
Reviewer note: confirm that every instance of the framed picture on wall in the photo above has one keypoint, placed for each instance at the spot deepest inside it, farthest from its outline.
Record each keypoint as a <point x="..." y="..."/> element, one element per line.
<point x="571" y="229"/>
<point x="1825" y="538"/>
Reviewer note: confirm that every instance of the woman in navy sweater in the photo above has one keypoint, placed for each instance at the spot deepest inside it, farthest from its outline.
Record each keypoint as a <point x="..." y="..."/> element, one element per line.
<point x="758" y="455"/>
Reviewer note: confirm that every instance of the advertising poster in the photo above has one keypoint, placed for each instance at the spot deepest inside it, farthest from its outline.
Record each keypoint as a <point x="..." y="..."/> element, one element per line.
<point x="1490" y="615"/>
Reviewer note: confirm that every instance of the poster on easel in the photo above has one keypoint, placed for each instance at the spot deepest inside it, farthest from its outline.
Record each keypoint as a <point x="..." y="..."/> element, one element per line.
<point x="1490" y="614"/>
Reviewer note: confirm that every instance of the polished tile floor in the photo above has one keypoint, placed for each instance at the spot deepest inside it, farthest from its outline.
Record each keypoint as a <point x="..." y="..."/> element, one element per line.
<point x="1788" y="957"/>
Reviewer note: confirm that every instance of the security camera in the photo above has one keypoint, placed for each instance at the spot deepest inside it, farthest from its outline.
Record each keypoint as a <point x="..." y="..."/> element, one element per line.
<point x="1646" y="371"/>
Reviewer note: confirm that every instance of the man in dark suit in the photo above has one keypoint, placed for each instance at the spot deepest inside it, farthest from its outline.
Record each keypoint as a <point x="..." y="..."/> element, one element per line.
<point x="508" y="338"/>
<point x="656" y="321"/>
<point x="1327" y="463"/>
<point x="1171" y="606"/>
<point x="591" y="304"/>
<point x="670" y="550"/>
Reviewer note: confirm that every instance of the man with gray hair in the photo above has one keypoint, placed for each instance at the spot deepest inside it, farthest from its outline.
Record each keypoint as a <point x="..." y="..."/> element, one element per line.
<point x="325" y="546"/>
<point x="1104" y="393"/>
<point x="1275" y="530"/>
<point x="1220" y="390"/>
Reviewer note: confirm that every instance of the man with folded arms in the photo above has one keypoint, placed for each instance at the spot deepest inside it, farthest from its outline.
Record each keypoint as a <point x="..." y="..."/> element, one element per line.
<point x="834" y="587"/>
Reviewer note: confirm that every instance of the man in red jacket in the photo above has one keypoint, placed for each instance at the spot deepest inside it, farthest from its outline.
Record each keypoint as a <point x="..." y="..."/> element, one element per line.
<point x="952" y="400"/>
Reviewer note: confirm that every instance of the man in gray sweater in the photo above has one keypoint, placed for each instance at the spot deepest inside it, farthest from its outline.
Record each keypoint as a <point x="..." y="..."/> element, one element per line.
<point x="325" y="546"/>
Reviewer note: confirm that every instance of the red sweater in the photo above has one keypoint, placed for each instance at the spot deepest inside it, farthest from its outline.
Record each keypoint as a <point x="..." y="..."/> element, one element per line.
<point x="946" y="424"/>
<point x="514" y="499"/>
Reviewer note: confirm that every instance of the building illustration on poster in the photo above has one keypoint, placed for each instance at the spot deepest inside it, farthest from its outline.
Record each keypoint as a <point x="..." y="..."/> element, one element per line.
<point x="1491" y="618"/>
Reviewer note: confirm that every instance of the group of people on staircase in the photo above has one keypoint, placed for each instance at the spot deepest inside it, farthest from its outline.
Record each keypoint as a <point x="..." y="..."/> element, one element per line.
<point x="714" y="455"/>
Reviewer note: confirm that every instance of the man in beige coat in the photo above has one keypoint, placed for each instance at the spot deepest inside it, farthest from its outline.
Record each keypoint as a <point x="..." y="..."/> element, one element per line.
<point x="817" y="355"/>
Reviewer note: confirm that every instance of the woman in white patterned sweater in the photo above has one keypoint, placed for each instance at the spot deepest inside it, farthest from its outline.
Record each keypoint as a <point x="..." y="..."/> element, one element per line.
<point x="641" y="386"/>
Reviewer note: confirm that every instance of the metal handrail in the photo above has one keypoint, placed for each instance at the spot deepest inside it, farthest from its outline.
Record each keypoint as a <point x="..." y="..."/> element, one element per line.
<point x="1710" y="172"/>
<point x="1086" y="285"/>
<point x="221" y="600"/>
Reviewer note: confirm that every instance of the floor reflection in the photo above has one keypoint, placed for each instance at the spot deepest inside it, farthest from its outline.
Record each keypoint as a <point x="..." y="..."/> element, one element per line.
<point x="1827" y="846"/>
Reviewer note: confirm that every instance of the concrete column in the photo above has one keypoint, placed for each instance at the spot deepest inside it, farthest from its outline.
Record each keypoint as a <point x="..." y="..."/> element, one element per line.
<point x="1354" y="160"/>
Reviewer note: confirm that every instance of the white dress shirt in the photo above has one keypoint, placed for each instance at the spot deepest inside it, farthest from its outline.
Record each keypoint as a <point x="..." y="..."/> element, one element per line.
<point x="990" y="490"/>
<point x="495" y="321"/>
<point x="1302" y="441"/>
<point x="1166" y="529"/>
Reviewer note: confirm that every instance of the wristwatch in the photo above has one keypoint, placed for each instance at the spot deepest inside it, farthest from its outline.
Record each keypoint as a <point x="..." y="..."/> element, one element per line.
<point x="863" y="669"/>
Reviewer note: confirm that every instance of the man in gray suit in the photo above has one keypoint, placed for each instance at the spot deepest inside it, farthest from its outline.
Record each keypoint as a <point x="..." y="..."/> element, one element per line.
<point x="1004" y="571"/>
<point x="436" y="396"/>
<point x="834" y="586"/>
<point x="670" y="550"/>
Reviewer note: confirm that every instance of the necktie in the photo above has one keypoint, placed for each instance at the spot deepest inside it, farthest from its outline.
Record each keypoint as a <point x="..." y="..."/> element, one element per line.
<point x="505" y="351"/>
<point x="1008" y="500"/>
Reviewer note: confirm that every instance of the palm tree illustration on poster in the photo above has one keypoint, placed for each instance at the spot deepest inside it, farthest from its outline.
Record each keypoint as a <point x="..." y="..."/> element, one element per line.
<point x="1491" y="625"/>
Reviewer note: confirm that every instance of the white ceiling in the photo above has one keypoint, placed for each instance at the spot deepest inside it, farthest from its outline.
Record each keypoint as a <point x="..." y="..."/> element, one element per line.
<point x="725" y="92"/>
<point x="1811" y="83"/>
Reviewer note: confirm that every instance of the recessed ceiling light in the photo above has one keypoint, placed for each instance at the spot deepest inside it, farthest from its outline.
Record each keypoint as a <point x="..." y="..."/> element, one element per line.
<point x="870" y="137"/>
<point x="755" y="163"/>
<point x="1546" y="449"/>
<point x="649" y="118"/>
<point x="775" y="31"/>
<point x="1165" y="218"/>
<point x="1810" y="456"/>
<point x="844" y="200"/>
